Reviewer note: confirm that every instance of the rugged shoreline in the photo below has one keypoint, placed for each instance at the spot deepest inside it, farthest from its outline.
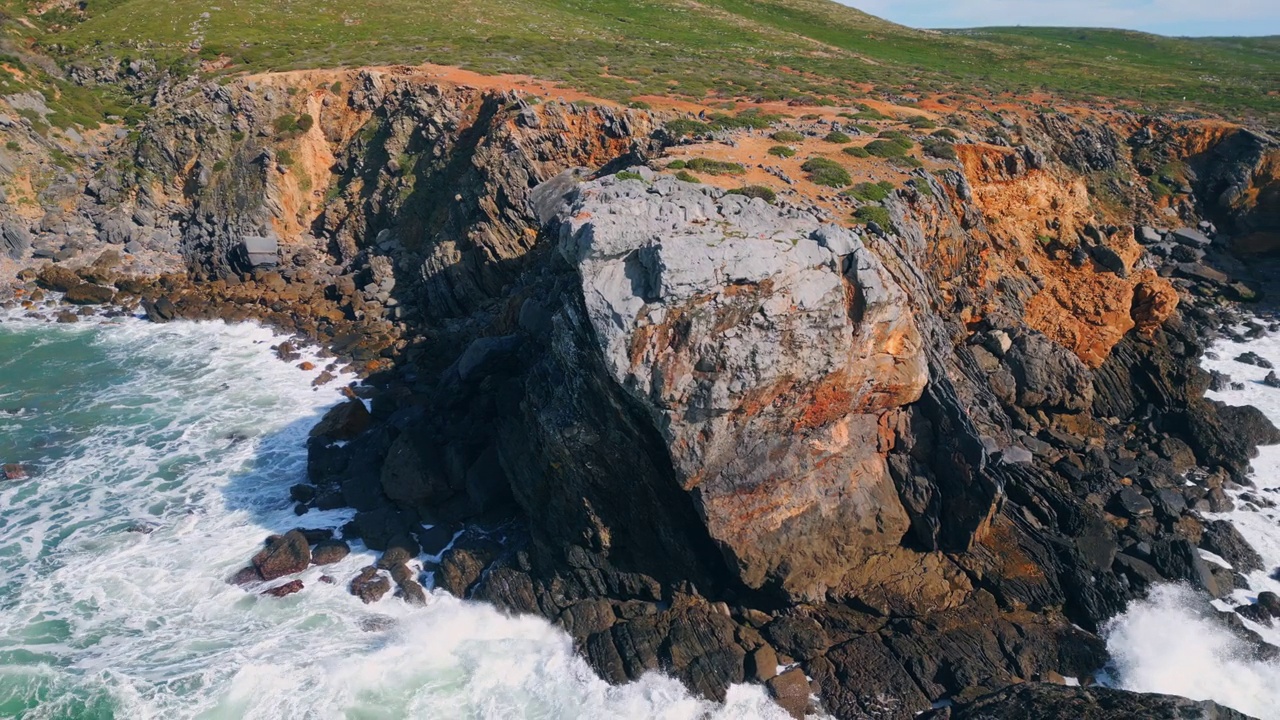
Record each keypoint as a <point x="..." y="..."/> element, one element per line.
<point x="1017" y="413"/>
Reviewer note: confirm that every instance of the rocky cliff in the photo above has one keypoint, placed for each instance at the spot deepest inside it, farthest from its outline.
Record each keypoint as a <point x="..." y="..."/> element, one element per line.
<point x="904" y="461"/>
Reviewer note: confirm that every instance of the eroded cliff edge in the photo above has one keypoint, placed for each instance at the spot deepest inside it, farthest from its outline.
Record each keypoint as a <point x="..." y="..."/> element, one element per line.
<point x="703" y="433"/>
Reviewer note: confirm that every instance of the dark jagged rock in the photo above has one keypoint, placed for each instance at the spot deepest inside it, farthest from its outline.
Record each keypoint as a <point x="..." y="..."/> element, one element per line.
<point x="1055" y="702"/>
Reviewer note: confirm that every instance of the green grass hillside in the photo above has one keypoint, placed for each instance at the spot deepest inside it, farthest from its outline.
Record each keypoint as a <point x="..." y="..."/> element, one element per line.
<point x="774" y="49"/>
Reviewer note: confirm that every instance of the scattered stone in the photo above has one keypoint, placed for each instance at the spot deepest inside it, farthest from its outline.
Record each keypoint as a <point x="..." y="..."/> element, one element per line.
<point x="1131" y="504"/>
<point x="1271" y="380"/>
<point x="1191" y="237"/>
<point x="1253" y="358"/>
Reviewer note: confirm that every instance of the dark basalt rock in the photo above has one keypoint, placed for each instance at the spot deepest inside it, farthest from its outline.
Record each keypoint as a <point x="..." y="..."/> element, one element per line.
<point x="1056" y="702"/>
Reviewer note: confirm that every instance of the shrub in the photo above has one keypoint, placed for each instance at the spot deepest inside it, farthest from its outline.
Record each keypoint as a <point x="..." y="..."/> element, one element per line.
<point x="938" y="148"/>
<point x="835" y="136"/>
<point x="682" y="127"/>
<point x="782" y="151"/>
<point x="870" y="192"/>
<point x="285" y="124"/>
<point x="922" y="123"/>
<point x="675" y="165"/>
<point x="858" y="152"/>
<point x="220" y="165"/>
<point x="787" y="136"/>
<point x="628" y="175"/>
<point x="686" y="176"/>
<point x="639" y="105"/>
<point x="236" y="136"/>
<point x="872" y="214"/>
<point x="868" y="129"/>
<point x="756" y="191"/>
<point x="811" y="116"/>
<point x="13" y="146"/>
<point x="305" y="122"/>
<point x="906" y="161"/>
<point x="898" y="137"/>
<point x="825" y="171"/>
<point x="284" y="157"/>
<point x="336" y="87"/>
<point x="947" y="134"/>
<point x="885" y="149"/>
<point x="715" y="167"/>
<point x="922" y="187"/>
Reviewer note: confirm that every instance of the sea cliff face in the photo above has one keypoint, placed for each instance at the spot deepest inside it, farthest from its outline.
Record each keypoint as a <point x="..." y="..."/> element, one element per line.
<point x="704" y="433"/>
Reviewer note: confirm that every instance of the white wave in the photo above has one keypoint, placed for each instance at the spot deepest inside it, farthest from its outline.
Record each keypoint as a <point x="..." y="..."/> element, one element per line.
<point x="1165" y="643"/>
<point x="196" y="432"/>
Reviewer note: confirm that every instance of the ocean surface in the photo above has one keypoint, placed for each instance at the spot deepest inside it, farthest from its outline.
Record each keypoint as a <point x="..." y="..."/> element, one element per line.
<point x="161" y="457"/>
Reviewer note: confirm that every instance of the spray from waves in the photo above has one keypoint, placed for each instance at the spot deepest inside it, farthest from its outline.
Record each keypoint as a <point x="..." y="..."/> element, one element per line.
<point x="1167" y="643"/>
<point x="163" y="454"/>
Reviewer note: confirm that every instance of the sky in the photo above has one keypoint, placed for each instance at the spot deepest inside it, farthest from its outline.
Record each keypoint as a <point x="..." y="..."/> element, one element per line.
<point x="1165" y="17"/>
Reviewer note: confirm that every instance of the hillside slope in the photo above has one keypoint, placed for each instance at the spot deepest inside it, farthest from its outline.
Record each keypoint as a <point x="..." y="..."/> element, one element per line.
<point x="774" y="49"/>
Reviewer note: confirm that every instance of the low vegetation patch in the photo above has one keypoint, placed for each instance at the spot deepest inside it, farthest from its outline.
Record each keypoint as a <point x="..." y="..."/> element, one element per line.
<point x="787" y="136"/>
<point x="872" y="214"/>
<point x="686" y="176"/>
<point x="628" y="175"/>
<point x="856" y="151"/>
<point x="940" y="149"/>
<point x="885" y="149"/>
<point x="782" y="151"/>
<point x="825" y="171"/>
<point x="835" y="136"/>
<point x="714" y="167"/>
<point x="870" y="192"/>
<point x="922" y="123"/>
<point x="756" y="191"/>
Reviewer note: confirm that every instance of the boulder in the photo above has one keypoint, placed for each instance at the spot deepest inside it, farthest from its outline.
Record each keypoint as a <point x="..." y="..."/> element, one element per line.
<point x="328" y="552"/>
<point x="791" y="691"/>
<point x="1191" y="237"/>
<point x="370" y="585"/>
<point x="284" y="555"/>
<point x="57" y="278"/>
<point x="343" y="421"/>
<point x="1048" y="375"/>
<point x="89" y="294"/>
<point x="260" y="251"/>
<point x="1253" y="358"/>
